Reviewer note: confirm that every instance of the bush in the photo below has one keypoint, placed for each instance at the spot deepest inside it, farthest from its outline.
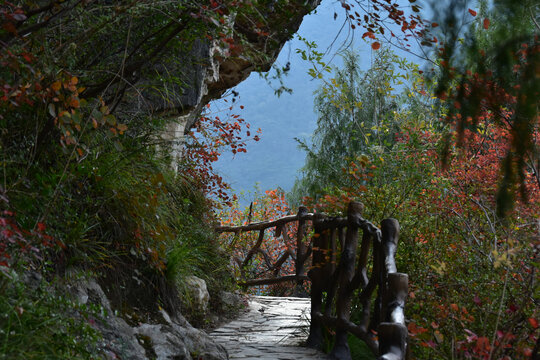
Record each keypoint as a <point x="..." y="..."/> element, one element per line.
<point x="38" y="322"/>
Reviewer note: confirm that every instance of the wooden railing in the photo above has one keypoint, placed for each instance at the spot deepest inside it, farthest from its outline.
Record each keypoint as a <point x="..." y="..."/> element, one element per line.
<point x="339" y="275"/>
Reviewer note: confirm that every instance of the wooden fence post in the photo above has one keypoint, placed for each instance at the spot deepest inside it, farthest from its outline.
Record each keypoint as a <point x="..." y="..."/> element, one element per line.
<point x="332" y="270"/>
<point x="392" y="332"/>
<point x="301" y="253"/>
<point x="392" y="341"/>
<point x="347" y="269"/>
<point x="397" y="291"/>
<point x="390" y="236"/>
<point x="315" y="338"/>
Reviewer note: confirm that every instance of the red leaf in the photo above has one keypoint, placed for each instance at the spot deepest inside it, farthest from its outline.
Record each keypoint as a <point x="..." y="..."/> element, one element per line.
<point x="9" y="27"/>
<point x="376" y="45"/>
<point x="472" y="12"/>
<point x="369" y="34"/>
<point x="482" y="344"/>
<point x="27" y="57"/>
<point x="486" y="23"/>
<point x="533" y="322"/>
<point x="41" y="226"/>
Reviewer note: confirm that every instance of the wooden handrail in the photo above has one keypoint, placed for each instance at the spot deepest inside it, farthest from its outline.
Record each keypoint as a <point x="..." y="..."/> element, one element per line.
<point x="262" y="225"/>
<point x="340" y="277"/>
<point x="270" y="281"/>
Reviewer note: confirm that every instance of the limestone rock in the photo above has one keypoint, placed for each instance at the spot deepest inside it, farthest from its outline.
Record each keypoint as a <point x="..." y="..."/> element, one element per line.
<point x="118" y="337"/>
<point x="171" y="341"/>
<point x="197" y="293"/>
<point x="168" y="338"/>
<point x="231" y="299"/>
<point x="212" y="71"/>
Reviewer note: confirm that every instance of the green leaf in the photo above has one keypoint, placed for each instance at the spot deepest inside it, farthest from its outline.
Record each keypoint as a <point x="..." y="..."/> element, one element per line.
<point x="111" y="119"/>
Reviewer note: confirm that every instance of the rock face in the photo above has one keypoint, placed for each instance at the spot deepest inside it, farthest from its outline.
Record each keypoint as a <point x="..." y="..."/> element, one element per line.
<point x="213" y="71"/>
<point x="166" y="338"/>
<point x="197" y="294"/>
<point x="209" y="70"/>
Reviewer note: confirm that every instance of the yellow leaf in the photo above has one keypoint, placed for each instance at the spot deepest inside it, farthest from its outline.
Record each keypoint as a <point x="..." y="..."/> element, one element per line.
<point x="56" y="86"/>
<point x="74" y="103"/>
<point x="121" y="128"/>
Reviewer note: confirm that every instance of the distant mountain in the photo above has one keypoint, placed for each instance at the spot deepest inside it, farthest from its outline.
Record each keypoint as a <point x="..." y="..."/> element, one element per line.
<point x="275" y="160"/>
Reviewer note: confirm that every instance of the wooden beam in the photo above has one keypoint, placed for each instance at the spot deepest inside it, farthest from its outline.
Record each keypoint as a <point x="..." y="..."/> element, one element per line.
<point x="301" y="251"/>
<point x="315" y="339"/>
<point x="253" y="249"/>
<point x="269" y="281"/>
<point x="263" y="224"/>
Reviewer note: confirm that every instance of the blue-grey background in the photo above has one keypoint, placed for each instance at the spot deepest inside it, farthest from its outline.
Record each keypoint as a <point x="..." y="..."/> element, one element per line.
<point x="276" y="160"/>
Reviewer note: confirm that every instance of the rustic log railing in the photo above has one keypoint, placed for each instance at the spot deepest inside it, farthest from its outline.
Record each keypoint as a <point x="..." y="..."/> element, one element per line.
<point x="339" y="276"/>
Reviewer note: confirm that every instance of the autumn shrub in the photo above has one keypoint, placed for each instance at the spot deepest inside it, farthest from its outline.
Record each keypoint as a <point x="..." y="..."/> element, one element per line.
<point x="482" y="281"/>
<point x="120" y="211"/>
<point x="80" y="189"/>
<point x="472" y="274"/>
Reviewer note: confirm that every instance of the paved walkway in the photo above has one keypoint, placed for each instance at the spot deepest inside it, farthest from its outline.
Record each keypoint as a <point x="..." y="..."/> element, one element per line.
<point x="272" y="329"/>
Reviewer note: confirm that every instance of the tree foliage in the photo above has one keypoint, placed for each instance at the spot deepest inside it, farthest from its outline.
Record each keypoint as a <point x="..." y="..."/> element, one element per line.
<point x="473" y="276"/>
<point x="488" y="65"/>
<point x="357" y="116"/>
<point x="87" y="90"/>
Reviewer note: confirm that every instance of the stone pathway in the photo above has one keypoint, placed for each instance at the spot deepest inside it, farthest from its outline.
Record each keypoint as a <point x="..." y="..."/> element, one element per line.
<point x="272" y="329"/>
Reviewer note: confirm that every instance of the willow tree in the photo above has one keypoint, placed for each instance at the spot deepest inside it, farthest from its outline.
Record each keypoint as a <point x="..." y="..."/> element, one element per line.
<point x="356" y="118"/>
